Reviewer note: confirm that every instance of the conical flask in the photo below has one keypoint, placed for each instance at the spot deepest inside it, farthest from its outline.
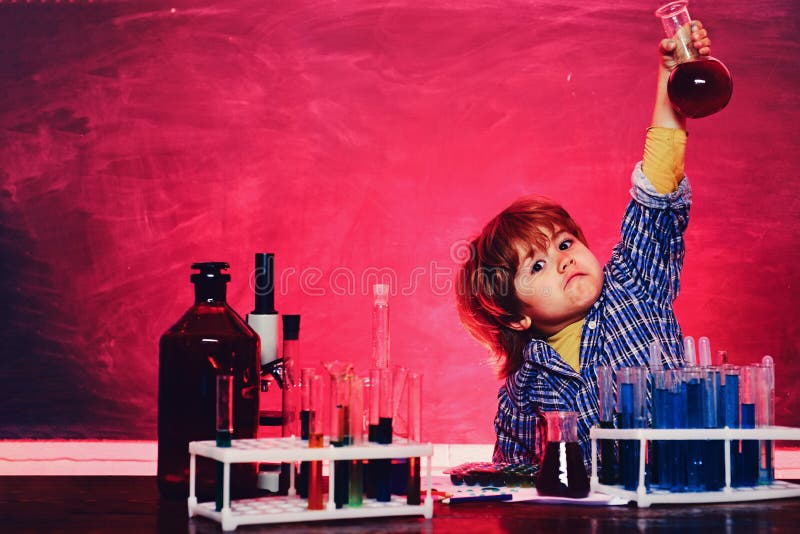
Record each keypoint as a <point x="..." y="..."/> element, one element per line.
<point x="562" y="473"/>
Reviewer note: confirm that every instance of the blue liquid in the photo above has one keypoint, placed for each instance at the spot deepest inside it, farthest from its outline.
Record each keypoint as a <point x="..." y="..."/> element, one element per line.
<point x="748" y="474"/>
<point x="694" y="448"/>
<point x="609" y="470"/>
<point x="677" y="458"/>
<point x="731" y="403"/>
<point x="628" y="448"/>
<point x="663" y="449"/>
<point x="766" y="471"/>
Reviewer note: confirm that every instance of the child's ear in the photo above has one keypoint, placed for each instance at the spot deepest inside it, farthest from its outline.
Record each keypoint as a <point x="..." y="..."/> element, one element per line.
<point x="521" y="325"/>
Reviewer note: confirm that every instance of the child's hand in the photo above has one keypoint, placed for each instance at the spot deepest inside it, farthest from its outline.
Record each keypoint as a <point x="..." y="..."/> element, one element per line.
<point x="700" y="42"/>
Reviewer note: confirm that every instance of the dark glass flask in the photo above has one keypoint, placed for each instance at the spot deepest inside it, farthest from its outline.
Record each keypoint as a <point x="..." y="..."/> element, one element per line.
<point x="698" y="86"/>
<point x="562" y="472"/>
<point x="210" y="339"/>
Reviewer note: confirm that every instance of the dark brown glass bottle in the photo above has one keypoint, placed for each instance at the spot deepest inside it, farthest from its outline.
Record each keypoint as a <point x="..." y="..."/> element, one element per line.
<point x="700" y="87"/>
<point x="209" y="339"/>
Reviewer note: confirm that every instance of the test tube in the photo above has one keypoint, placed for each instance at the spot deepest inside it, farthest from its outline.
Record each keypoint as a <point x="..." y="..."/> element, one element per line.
<point x="383" y="467"/>
<point x="766" y="418"/>
<point x="689" y="354"/>
<point x="676" y="457"/>
<point x="372" y="401"/>
<point x="748" y="475"/>
<point x="704" y="349"/>
<point x="306" y="375"/>
<point x="605" y="404"/>
<point x="224" y="430"/>
<point x="316" y="440"/>
<point x="730" y="374"/>
<point x="661" y="450"/>
<point x="713" y="450"/>
<point x="632" y="406"/>
<point x="356" y="432"/>
<point x="656" y="369"/>
<point x="341" y="378"/>
<point x="694" y="379"/>
<point x="414" y="421"/>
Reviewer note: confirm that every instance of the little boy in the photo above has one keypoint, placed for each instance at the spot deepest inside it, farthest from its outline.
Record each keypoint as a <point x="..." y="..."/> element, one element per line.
<point x="534" y="293"/>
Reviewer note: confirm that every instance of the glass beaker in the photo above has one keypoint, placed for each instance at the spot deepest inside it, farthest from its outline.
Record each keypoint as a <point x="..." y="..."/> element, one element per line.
<point x="562" y="473"/>
<point x="698" y="86"/>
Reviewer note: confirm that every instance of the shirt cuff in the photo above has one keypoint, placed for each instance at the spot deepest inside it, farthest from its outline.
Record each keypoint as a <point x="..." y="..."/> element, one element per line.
<point x="645" y="193"/>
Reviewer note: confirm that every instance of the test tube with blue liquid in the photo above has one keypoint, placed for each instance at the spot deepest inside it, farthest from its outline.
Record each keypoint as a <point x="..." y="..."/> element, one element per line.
<point x="730" y="375"/>
<point x="713" y="450"/>
<point x="676" y="414"/>
<point x="224" y="430"/>
<point x="748" y="474"/>
<point x="632" y="406"/>
<point x="766" y="418"/>
<point x="694" y="379"/>
<point x="609" y="469"/>
<point x="656" y="412"/>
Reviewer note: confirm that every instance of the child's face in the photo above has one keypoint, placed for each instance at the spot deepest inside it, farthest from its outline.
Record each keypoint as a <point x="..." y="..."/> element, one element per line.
<point x="556" y="286"/>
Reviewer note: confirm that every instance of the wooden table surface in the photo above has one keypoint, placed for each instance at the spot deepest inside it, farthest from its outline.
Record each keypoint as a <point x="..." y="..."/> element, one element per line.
<point x="125" y="504"/>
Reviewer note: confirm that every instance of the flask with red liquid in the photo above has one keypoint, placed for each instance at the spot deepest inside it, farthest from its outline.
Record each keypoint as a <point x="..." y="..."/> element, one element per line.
<point x="698" y="86"/>
<point x="209" y="340"/>
<point x="562" y="473"/>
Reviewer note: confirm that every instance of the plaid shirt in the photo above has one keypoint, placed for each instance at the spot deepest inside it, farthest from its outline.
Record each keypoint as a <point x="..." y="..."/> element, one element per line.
<point x="641" y="280"/>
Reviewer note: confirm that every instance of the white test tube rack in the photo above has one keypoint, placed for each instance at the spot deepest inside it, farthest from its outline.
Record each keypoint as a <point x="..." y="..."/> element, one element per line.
<point x="292" y="508"/>
<point x="644" y="497"/>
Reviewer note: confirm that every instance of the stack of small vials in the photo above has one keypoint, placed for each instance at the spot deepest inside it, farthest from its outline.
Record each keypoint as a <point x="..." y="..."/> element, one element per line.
<point x="701" y="395"/>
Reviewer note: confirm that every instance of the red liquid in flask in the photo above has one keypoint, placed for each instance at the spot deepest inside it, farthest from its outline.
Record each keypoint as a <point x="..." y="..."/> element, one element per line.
<point x="700" y="87"/>
<point x="562" y="473"/>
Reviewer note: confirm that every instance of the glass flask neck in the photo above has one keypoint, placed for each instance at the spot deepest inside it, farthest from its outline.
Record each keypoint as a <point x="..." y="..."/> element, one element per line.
<point x="562" y="426"/>
<point x="678" y="26"/>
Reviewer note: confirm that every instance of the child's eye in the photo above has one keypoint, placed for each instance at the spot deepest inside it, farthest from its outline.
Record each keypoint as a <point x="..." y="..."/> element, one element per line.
<point x="537" y="266"/>
<point x="564" y="245"/>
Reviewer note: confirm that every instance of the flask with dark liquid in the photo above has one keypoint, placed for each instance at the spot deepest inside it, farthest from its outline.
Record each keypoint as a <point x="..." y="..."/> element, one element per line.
<point x="698" y="86"/>
<point x="562" y="473"/>
<point x="210" y="339"/>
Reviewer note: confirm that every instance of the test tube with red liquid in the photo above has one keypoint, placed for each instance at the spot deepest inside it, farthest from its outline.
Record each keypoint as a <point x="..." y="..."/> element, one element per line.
<point x="316" y="440"/>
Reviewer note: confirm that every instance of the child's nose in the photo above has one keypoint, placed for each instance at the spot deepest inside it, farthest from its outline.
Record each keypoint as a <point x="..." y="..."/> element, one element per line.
<point x="565" y="261"/>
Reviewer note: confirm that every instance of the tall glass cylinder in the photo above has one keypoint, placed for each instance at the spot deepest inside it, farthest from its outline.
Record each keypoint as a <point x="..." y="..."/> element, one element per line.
<point x="414" y="420"/>
<point x="380" y="326"/>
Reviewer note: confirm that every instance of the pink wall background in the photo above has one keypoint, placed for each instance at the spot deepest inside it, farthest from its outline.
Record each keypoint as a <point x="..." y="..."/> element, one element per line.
<point x="352" y="138"/>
